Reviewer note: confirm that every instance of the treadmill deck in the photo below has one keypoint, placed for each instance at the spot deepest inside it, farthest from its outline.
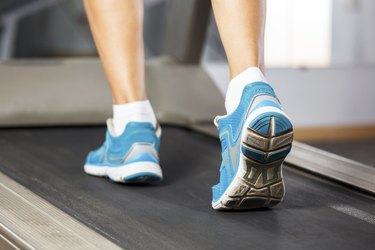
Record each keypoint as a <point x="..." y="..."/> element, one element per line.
<point x="177" y="214"/>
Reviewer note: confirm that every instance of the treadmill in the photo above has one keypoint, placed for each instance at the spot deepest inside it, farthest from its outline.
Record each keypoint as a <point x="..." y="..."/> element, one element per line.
<point x="48" y="202"/>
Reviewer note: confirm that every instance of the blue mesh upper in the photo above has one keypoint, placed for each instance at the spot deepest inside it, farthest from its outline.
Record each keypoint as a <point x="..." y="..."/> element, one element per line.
<point x="114" y="149"/>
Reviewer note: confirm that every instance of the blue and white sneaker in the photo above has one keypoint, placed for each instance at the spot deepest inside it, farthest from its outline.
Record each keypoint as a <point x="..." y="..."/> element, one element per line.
<point x="255" y="140"/>
<point x="131" y="157"/>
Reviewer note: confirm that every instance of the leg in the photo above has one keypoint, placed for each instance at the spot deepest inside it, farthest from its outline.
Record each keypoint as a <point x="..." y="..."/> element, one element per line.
<point x="130" y="153"/>
<point x="241" y="26"/>
<point x="117" y="27"/>
<point x="256" y="134"/>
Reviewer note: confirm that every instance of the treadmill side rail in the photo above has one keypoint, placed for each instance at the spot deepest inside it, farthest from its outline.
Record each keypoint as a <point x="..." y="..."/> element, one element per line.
<point x="29" y="222"/>
<point x="332" y="166"/>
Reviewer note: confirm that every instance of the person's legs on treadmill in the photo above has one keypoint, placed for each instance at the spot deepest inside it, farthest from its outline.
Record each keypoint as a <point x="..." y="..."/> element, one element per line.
<point x="130" y="150"/>
<point x="255" y="135"/>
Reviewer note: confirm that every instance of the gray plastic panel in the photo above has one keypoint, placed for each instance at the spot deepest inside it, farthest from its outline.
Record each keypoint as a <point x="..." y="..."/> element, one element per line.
<point x="75" y="91"/>
<point x="29" y="222"/>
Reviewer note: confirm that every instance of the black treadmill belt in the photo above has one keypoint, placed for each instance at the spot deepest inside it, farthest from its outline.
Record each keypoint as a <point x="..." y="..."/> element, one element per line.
<point x="177" y="213"/>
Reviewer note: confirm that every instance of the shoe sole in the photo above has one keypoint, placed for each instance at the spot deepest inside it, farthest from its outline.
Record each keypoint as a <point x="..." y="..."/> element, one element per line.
<point x="138" y="172"/>
<point x="258" y="182"/>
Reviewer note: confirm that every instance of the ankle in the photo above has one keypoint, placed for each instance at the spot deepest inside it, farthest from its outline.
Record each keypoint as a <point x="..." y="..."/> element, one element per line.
<point x="140" y="111"/>
<point x="238" y="83"/>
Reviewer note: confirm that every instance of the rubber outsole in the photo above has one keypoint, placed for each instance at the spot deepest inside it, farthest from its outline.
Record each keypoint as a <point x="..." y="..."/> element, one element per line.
<point x="258" y="182"/>
<point x="142" y="178"/>
<point x="138" y="172"/>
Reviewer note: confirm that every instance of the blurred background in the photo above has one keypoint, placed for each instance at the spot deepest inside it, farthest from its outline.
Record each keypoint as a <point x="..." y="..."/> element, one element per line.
<point x="300" y="33"/>
<point x="320" y="57"/>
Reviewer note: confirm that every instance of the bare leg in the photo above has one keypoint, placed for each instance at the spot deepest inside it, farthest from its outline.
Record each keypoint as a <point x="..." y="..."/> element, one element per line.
<point x="254" y="109"/>
<point x="117" y="27"/>
<point x="241" y="26"/>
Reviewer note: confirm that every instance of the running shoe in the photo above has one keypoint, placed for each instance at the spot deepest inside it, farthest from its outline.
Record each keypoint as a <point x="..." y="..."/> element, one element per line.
<point x="131" y="157"/>
<point x="255" y="139"/>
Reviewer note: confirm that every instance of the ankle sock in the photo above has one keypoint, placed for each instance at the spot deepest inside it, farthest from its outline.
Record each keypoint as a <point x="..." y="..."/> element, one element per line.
<point x="140" y="111"/>
<point x="238" y="83"/>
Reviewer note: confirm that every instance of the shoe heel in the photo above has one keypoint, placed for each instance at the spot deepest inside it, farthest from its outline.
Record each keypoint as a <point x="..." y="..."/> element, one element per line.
<point x="268" y="138"/>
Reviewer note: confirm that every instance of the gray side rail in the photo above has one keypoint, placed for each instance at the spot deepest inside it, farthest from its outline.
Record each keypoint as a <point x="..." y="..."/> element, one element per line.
<point x="27" y="221"/>
<point x="332" y="166"/>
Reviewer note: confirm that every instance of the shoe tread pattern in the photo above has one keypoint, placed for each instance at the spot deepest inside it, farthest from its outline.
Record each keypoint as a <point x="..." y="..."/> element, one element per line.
<point x="260" y="182"/>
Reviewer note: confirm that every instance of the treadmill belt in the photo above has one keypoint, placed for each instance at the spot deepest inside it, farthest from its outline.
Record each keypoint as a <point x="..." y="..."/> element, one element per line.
<point x="177" y="214"/>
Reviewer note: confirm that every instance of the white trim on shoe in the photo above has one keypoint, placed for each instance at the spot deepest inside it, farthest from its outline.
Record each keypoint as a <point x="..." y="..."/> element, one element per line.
<point x="95" y="170"/>
<point x="254" y="114"/>
<point x="118" y="174"/>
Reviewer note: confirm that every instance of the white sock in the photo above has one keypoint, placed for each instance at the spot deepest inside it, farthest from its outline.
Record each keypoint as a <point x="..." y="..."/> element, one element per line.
<point x="238" y="83"/>
<point x="132" y="112"/>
